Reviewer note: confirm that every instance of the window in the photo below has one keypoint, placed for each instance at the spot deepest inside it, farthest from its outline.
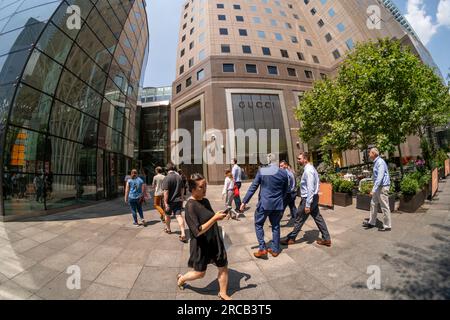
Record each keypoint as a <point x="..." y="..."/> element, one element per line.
<point x="182" y="69"/>
<point x="331" y="12"/>
<point x="313" y="11"/>
<point x="268" y="10"/>
<point x="188" y="82"/>
<point x="302" y="28"/>
<point x="301" y="56"/>
<point x="323" y="76"/>
<point x="350" y="44"/>
<point x="256" y="20"/>
<point x="294" y="39"/>
<point x="220" y="6"/>
<point x="292" y="72"/>
<point x="328" y="37"/>
<point x="200" y="75"/>
<point x="284" y="53"/>
<point x="179" y="88"/>
<point x="261" y="34"/>
<point x="288" y="25"/>
<point x="201" y="37"/>
<point x="191" y="31"/>
<point x="266" y="51"/>
<point x="228" y="67"/>
<point x="223" y="31"/>
<point x="239" y="18"/>
<point x="183" y="38"/>
<point x="191" y="62"/>
<point x="246" y="49"/>
<point x="341" y="27"/>
<point x="191" y="45"/>
<point x="225" y="48"/>
<point x="251" y="68"/>
<point x="201" y="55"/>
<point x="308" y="43"/>
<point x="315" y="59"/>
<point x="308" y="74"/>
<point x="321" y="23"/>
<point x="182" y="52"/>
<point x="222" y="17"/>
<point x="272" y="70"/>
<point x="243" y="32"/>
<point x="273" y="22"/>
<point x="278" y="36"/>
<point x="336" y="54"/>
<point x="236" y="7"/>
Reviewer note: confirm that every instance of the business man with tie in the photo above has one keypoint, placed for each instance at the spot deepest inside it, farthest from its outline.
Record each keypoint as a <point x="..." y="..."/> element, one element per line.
<point x="274" y="188"/>
<point x="309" y="205"/>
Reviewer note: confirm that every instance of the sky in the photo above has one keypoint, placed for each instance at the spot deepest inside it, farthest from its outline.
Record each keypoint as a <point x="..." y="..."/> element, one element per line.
<point x="429" y="18"/>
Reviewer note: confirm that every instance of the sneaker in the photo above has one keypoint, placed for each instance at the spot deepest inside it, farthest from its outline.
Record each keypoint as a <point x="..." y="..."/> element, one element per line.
<point x="367" y="225"/>
<point x="143" y="222"/>
<point x="384" y="229"/>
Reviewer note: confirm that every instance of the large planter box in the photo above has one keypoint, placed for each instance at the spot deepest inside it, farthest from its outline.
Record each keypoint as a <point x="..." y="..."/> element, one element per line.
<point x="363" y="202"/>
<point x="342" y="199"/>
<point x="326" y="195"/>
<point x="412" y="203"/>
<point x="428" y="191"/>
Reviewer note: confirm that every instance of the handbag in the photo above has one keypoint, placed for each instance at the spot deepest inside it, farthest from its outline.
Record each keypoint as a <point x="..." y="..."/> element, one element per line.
<point x="225" y="238"/>
<point x="236" y="191"/>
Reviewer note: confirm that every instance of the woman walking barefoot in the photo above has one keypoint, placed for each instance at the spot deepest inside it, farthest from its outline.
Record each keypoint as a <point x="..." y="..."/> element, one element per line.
<point x="207" y="246"/>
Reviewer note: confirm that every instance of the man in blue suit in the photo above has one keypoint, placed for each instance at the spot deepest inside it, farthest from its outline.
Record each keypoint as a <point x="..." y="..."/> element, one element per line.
<point x="274" y="188"/>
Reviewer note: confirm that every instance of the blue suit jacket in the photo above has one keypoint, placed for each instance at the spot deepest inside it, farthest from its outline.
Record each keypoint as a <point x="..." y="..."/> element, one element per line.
<point x="274" y="188"/>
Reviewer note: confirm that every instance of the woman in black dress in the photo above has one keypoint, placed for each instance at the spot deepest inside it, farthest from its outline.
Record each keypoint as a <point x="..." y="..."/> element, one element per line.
<point x="206" y="242"/>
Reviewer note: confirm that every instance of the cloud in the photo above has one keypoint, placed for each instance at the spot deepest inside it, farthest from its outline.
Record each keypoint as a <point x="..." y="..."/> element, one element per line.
<point x="423" y="23"/>
<point x="420" y="21"/>
<point x="443" y="14"/>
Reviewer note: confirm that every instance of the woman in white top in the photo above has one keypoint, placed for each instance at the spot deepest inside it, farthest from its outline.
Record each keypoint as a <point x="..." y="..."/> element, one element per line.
<point x="228" y="192"/>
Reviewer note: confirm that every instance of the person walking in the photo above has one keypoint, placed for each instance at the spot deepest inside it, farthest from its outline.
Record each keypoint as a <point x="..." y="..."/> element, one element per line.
<point x="309" y="205"/>
<point x="134" y="196"/>
<point x="158" y="193"/>
<point x="236" y="173"/>
<point x="380" y="193"/>
<point x="228" y="193"/>
<point x="206" y="246"/>
<point x="274" y="187"/>
<point x="173" y="200"/>
<point x="290" y="199"/>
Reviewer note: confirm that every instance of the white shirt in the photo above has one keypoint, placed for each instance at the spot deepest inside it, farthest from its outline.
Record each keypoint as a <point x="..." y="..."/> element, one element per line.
<point x="228" y="185"/>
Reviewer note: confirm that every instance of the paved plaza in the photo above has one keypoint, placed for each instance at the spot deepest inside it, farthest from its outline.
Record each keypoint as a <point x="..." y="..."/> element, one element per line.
<point x="120" y="261"/>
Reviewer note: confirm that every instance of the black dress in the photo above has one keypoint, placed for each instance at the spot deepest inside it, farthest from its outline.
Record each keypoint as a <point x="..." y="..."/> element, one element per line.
<point x="208" y="247"/>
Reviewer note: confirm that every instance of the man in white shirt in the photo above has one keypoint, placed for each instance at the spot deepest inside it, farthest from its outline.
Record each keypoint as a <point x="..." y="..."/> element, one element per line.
<point x="310" y="204"/>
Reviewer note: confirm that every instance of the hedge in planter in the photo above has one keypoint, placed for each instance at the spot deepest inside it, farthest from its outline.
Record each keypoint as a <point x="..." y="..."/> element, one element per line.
<point x="363" y="198"/>
<point x="412" y="197"/>
<point x="342" y="195"/>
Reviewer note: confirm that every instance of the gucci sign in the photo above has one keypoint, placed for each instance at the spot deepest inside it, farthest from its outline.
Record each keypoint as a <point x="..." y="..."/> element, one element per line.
<point x="258" y="104"/>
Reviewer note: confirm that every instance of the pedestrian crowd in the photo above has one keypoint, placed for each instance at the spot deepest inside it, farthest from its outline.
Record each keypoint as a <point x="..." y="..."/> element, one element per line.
<point x="278" y="190"/>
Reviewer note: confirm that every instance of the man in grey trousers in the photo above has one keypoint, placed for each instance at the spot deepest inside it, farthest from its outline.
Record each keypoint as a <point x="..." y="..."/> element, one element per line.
<point x="309" y="205"/>
<point x="380" y="193"/>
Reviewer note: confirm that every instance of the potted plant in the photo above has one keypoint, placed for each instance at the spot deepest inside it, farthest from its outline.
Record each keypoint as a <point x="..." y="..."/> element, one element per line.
<point x="363" y="198"/>
<point x="412" y="197"/>
<point x="342" y="192"/>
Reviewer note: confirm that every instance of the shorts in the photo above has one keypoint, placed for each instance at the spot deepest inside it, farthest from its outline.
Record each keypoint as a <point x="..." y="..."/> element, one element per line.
<point x="174" y="209"/>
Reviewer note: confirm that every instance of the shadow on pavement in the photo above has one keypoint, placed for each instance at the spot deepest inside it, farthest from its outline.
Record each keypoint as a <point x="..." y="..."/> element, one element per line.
<point x="234" y="284"/>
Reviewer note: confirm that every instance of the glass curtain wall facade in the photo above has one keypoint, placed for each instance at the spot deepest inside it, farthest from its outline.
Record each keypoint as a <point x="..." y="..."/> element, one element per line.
<point x="68" y="99"/>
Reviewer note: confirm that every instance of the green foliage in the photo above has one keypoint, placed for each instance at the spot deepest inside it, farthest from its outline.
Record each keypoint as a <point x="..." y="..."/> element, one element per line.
<point x="409" y="185"/>
<point x="346" y="186"/>
<point x="382" y="94"/>
<point x="440" y="158"/>
<point x="366" y="187"/>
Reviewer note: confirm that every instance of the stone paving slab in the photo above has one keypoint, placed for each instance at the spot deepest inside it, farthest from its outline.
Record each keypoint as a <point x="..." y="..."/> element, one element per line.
<point x="121" y="261"/>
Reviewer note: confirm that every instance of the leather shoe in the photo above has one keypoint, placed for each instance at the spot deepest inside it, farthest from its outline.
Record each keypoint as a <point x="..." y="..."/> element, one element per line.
<point x="274" y="254"/>
<point x="261" y="254"/>
<point x="367" y="225"/>
<point x="287" y="242"/>
<point x="322" y="242"/>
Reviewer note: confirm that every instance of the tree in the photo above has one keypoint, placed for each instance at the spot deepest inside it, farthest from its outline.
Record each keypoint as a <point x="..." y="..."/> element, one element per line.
<point x="383" y="93"/>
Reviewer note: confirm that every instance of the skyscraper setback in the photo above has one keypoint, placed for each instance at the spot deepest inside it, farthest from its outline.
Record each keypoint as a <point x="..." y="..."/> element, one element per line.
<point x="236" y="57"/>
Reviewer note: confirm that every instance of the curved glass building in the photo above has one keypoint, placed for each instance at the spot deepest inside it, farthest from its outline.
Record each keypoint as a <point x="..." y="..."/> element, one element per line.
<point x="70" y="73"/>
